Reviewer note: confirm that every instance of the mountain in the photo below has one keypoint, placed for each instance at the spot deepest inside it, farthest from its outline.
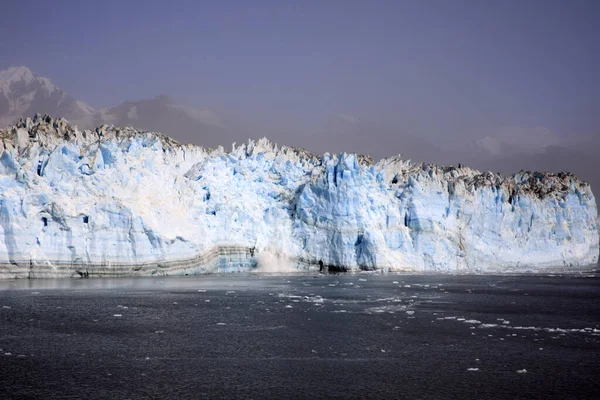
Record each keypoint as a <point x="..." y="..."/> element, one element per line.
<point x="161" y="114"/>
<point x="533" y="150"/>
<point x="115" y="201"/>
<point x="348" y="133"/>
<point x="508" y="150"/>
<point x="24" y="94"/>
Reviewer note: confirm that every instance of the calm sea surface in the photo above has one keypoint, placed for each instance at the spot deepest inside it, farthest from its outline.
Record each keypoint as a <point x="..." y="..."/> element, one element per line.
<point x="301" y="336"/>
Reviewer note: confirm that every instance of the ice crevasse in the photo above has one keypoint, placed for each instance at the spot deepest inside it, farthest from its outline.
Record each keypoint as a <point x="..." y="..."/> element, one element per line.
<point x="116" y="201"/>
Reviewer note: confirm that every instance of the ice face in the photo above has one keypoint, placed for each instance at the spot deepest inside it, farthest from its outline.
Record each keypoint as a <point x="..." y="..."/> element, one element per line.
<point x="121" y="202"/>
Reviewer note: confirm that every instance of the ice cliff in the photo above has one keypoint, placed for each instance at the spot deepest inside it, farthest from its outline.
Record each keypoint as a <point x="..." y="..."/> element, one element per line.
<point x="116" y="201"/>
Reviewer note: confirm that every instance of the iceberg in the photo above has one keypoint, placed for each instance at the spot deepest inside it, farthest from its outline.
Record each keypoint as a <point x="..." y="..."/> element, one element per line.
<point x="117" y="201"/>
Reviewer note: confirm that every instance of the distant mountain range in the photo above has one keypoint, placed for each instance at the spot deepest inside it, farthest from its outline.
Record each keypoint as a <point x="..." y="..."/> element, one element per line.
<point x="507" y="151"/>
<point x="23" y="94"/>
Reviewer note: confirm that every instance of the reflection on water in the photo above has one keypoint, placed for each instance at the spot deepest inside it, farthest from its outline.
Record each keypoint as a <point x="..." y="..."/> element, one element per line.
<point x="255" y="280"/>
<point x="146" y="283"/>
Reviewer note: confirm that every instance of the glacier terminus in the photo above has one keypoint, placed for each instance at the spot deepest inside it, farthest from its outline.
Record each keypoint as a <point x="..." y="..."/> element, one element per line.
<point x="116" y="201"/>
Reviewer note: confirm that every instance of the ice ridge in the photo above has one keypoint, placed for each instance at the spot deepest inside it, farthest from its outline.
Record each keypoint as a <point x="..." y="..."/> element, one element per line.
<point x="117" y="201"/>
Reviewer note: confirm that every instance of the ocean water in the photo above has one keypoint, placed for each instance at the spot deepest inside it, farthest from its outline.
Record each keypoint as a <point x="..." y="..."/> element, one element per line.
<point x="301" y="336"/>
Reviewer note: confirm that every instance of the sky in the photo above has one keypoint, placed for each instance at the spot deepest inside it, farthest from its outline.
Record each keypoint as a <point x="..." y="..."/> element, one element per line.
<point x="447" y="71"/>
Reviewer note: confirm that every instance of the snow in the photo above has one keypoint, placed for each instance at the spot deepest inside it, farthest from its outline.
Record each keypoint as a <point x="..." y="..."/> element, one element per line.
<point x="85" y="108"/>
<point x="120" y="202"/>
<point x="22" y="89"/>
<point x="13" y="75"/>
<point x="132" y="113"/>
<point x="47" y="85"/>
<point x="533" y="140"/>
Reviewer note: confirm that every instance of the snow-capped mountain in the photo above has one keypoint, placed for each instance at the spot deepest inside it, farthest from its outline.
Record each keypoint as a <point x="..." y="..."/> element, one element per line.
<point x="114" y="201"/>
<point x="506" y="150"/>
<point x="24" y="94"/>
<point x="161" y="114"/>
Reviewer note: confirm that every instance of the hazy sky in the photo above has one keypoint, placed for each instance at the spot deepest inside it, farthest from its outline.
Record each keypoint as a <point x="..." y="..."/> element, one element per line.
<point x="440" y="69"/>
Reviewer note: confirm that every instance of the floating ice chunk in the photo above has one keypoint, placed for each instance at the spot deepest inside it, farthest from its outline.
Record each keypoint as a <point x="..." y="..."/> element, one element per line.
<point x="488" y="325"/>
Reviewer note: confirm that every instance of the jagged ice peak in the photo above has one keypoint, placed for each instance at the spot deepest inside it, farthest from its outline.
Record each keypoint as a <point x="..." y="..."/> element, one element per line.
<point x="117" y="201"/>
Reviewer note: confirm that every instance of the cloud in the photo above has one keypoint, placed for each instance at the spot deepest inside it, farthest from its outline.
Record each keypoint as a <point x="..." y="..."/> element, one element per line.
<point x="351" y="119"/>
<point x="516" y="138"/>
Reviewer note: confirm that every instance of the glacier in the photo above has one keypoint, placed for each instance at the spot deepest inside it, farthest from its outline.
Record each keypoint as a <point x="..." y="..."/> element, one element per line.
<point x="117" y="201"/>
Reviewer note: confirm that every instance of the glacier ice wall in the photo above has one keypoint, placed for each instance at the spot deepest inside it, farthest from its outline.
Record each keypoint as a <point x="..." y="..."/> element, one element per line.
<point x="121" y="202"/>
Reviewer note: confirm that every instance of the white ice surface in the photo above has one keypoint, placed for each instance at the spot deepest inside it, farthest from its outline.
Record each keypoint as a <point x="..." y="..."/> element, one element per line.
<point x="118" y="196"/>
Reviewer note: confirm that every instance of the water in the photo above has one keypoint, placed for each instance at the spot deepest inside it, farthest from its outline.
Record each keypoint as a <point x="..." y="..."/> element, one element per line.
<point x="301" y="336"/>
